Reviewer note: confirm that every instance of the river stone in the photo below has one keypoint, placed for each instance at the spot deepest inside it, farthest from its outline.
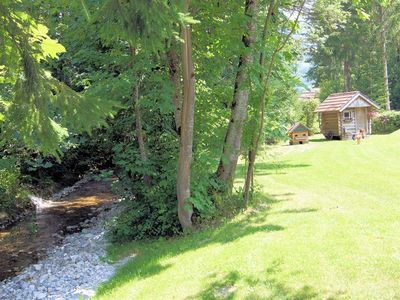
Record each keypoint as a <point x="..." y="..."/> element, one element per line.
<point x="39" y="295"/>
<point x="70" y="270"/>
<point x="72" y="228"/>
<point x="4" y="217"/>
<point x="37" y="267"/>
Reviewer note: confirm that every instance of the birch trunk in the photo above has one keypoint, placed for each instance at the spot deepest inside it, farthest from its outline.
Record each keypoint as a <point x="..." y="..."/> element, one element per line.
<point x="185" y="209"/>
<point x="231" y="149"/>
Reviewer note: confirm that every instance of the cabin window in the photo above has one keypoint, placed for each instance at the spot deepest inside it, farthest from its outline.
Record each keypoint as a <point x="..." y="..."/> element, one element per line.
<point x="347" y="115"/>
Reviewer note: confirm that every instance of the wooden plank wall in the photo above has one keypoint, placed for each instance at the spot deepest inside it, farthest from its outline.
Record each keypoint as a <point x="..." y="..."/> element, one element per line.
<point x="350" y="127"/>
<point x="330" y="123"/>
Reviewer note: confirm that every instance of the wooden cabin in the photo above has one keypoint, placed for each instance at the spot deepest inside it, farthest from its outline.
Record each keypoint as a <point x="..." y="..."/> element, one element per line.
<point x="299" y="134"/>
<point x="342" y="115"/>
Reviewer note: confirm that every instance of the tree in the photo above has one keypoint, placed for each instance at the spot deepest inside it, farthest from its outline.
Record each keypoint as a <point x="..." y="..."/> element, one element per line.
<point x="231" y="148"/>
<point x="185" y="209"/>
<point x="387" y="15"/>
<point x="38" y="110"/>
<point x="265" y="82"/>
<point x="139" y="54"/>
<point x="341" y="35"/>
<point x="138" y="123"/>
<point x="175" y="77"/>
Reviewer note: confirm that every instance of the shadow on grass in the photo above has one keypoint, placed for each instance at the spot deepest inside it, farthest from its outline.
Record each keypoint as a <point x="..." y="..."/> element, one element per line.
<point x="148" y="261"/>
<point x="268" y="285"/>
<point x="296" y="211"/>
<point x="320" y="140"/>
<point x="276" y="167"/>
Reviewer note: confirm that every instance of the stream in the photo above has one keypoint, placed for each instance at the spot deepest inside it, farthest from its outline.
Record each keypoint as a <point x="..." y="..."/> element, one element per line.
<point x="26" y="242"/>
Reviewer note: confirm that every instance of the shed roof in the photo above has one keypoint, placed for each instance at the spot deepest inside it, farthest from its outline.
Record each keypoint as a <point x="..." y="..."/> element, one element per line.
<point x="298" y="127"/>
<point x="339" y="101"/>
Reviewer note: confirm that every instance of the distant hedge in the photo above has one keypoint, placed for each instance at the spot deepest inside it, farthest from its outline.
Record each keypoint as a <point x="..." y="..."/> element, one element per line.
<point x="387" y="122"/>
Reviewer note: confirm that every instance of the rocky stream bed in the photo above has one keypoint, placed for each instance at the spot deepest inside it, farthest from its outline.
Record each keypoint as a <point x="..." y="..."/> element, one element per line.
<point x="73" y="266"/>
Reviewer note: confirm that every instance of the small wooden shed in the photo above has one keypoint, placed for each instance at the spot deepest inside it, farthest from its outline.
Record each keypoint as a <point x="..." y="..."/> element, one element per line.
<point x="343" y="114"/>
<point x="299" y="134"/>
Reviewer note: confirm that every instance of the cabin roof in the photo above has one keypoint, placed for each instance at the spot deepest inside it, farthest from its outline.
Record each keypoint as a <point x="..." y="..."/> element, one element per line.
<point x="298" y="127"/>
<point x="339" y="101"/>
<point x="309" y="95"/>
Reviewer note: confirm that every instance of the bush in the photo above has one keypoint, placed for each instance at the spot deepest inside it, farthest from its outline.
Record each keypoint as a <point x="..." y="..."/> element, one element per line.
<point x="308" y="116"/>
<point x="10" y="192"/>
<point x="386" y="122"/>
<point x="151" y="211"/>
<point x="81" y="154"/>
<point x="145" y="218"/>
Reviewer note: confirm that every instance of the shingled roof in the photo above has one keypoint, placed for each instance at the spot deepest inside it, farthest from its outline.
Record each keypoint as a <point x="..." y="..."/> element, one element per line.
<point x="309" y="95"/>
<point x="298" y="127"/>
<point x="339" y="101"/>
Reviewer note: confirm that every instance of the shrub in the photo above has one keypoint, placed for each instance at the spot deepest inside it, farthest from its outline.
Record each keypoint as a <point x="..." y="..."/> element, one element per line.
<point x="10" y="192"/>
<point x="151" y="211"/>
<point x="386" y="122"/>
<point x="147" y="217"/>
<point x="81" y="154"/>
<point x="308" y="116"/>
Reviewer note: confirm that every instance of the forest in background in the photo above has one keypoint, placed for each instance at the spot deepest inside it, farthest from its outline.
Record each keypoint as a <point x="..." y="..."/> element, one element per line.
<point x="356" y="48"/>
<point x="167" y="95"/>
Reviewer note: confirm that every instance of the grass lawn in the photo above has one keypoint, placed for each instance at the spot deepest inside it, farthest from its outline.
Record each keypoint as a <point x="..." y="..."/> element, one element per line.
<point x="328" y="227"/>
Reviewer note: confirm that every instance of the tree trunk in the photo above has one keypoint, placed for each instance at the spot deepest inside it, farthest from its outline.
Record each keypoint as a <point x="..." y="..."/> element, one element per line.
<point x="227" y="165"/>
<point x="346" y="75"/>
<point x="256" y="137"/>
<point x="174" y="75"/>
<point x="384" y="57"/>
<point x="185" y="208"/>
<point x="258" y="132"/>
<point x="138" y="124"/>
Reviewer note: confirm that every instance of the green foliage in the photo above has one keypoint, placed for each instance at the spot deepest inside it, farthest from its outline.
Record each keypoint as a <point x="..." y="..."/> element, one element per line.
<point x="308" y="116"/>
<point x="10" y="191"/>
<point x="386" y="122"/>
<point x="148" y="211"/>
<point x="146" y="218"/>
<point x="104" y="175"/>
<point x="281" y="110"/>
<point x="343" y="31"/>
<point x="148" y="23"/>
<point x="38" y="110"/>
<point x="114" y="47"/>
<point x="81" y="154"/>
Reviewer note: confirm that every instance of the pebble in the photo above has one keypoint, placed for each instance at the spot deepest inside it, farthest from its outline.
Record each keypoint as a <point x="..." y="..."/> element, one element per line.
<point x="72" y="270"/>
<point x="37" y="267"/>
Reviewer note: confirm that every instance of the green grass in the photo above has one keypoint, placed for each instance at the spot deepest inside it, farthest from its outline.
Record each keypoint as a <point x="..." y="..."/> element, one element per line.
<point x="328" y="227"/>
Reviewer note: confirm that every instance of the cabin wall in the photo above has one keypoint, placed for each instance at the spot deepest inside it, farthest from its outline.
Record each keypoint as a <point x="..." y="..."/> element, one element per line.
<point x="330" y="122"/>
<point x="359" y="119"/>
<point x="348" y="125"/>
<point x="369" y="122"/>
<point x="362" y="119"/>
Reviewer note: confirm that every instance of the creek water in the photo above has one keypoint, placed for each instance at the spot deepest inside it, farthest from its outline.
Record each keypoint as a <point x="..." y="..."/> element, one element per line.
<point x="26" y="242"/>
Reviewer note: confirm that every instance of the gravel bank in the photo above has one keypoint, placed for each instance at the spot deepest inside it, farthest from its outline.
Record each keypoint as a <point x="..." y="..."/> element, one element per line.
<point x="71" y="270"/>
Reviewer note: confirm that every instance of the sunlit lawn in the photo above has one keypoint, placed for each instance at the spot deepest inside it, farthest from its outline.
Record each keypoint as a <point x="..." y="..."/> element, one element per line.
<point x="328" y="227"/>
